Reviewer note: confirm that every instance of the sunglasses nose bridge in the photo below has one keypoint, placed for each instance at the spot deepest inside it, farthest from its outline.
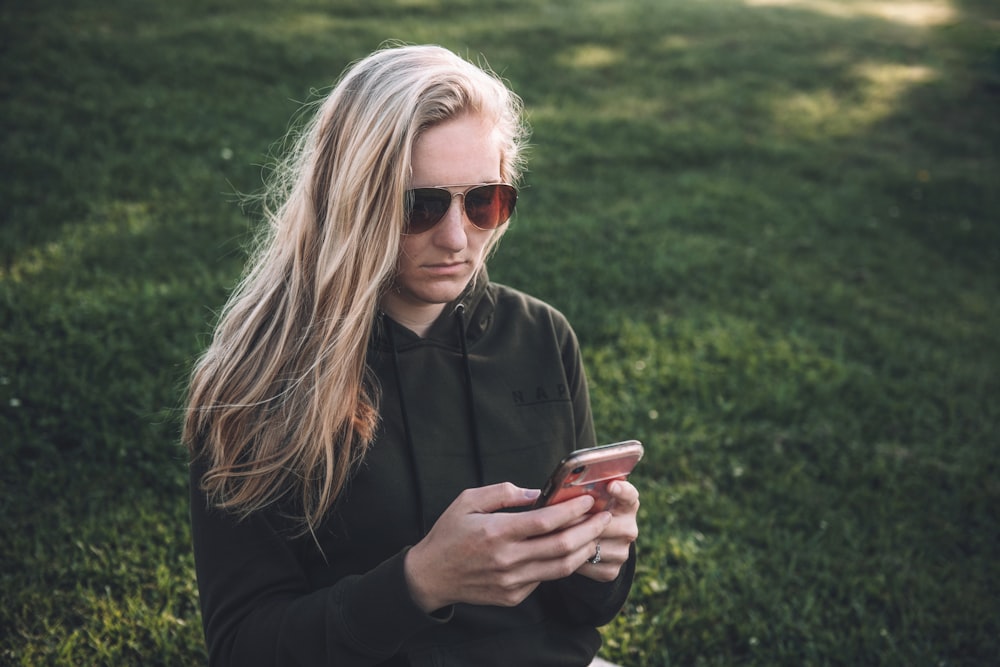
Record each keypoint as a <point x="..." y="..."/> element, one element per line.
<point x="462" y="213"/>
<point x="461" y="204"/>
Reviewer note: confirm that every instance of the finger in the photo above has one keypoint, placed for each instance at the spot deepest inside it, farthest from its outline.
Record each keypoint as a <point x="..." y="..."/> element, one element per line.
<point x="623" y="526"/>
<point x="624" y="493"/>
<point x="579" y="537"/>
<point x="603" y="572"/>
<point x="599" y="559"/>
<point x="560" y="555"/>
<point x="613" y="552"/>
<point x="554" y="554"/>
<point x="488" y="499"/>
<point x="613" y="555"/>
<point x="545" y="520"/>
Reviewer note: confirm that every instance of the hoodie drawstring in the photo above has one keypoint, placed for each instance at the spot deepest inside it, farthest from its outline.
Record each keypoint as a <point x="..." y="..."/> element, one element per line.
<point x="470" y="396"/>
<point x="408" y="436"/>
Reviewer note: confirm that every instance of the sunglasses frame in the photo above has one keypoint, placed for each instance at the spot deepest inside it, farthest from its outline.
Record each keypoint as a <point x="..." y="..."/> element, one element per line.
<point x="466" y="189"/>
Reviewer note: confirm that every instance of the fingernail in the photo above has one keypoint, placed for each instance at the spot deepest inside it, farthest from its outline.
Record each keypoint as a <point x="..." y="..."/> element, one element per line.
<point x="531" y="494"/>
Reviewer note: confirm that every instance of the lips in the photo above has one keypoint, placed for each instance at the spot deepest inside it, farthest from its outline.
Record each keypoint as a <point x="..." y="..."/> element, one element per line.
<point x="445" y="268"/>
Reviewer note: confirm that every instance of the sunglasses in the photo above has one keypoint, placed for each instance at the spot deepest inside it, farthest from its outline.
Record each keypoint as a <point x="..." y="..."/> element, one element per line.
<point x="486" y="206"/>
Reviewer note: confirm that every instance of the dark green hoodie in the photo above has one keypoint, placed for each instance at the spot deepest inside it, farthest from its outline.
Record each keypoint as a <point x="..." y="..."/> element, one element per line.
<point x="495" y="392"/>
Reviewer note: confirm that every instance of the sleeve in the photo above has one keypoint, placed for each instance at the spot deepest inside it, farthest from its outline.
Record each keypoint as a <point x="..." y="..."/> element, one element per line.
<point x="259" y="609"/>
<point x="577" y="599"/>
<point x="582" y="601"/>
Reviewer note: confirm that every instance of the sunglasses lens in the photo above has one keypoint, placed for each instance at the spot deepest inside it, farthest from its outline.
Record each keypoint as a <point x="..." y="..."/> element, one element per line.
<point x="425" y="207"/>
<point x="487" y="206"/>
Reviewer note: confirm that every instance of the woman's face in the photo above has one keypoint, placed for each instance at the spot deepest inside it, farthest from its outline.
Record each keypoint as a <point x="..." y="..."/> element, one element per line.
<point x="435" y="266"/>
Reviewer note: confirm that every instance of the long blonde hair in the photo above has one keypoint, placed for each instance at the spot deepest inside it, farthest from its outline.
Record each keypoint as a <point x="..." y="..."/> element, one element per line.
<point x="280" y="405"/>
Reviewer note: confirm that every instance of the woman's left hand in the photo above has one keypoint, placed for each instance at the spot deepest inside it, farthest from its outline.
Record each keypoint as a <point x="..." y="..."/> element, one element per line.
<point x="618" y="536"/>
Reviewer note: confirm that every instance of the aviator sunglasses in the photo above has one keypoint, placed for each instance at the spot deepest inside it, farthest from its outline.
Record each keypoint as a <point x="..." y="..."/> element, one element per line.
<point x="486" y="206"/>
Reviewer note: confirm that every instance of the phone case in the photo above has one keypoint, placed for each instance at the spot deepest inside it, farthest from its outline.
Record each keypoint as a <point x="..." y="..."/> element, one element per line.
<point x="590" y="471"/>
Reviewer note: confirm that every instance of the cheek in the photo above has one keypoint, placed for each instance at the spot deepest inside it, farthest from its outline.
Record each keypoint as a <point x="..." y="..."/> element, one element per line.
<point x="409" y="248"/>
<point x="479" y="243"/>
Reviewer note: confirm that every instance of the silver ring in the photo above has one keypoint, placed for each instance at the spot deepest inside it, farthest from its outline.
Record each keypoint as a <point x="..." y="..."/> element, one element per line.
<point x="596" y="558"/>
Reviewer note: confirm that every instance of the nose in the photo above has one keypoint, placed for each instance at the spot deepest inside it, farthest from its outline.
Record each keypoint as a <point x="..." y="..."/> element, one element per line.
<point x="452" y="232"/>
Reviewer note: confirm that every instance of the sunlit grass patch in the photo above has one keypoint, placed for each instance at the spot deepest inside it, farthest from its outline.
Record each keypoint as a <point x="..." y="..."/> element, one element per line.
<point x="880" y="89"/>
<point x="920" y="13"/>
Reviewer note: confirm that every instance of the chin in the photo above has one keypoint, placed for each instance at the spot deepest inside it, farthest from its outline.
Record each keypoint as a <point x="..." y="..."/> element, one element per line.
<point x="443" y="296"/>
<point x="445" y="291"/>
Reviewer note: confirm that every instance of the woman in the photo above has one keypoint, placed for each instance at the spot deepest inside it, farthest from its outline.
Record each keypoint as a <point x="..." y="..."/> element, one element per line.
<point x="373" y="415"/>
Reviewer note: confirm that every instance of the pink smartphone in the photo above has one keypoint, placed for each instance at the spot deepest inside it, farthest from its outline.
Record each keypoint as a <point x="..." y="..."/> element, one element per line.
<point x="590" y="471"/>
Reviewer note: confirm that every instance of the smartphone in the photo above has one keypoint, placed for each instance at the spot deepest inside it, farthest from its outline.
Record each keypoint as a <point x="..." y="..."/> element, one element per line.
<point x="590" y="471"/>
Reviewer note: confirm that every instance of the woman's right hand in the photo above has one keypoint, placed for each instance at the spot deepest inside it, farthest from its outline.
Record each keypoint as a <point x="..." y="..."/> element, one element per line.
<point x="478" y="555"/>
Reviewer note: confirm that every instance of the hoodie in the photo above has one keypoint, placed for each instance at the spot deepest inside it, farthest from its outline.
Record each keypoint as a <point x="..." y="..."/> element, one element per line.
<point x="495" y="392"/>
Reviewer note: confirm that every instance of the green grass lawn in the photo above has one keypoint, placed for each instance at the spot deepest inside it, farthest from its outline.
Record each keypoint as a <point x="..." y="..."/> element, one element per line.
<point x="775" y="225"/>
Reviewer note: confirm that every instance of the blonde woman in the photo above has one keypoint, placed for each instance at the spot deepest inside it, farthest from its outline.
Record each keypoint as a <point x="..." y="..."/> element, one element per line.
<point x="371" y="404"/>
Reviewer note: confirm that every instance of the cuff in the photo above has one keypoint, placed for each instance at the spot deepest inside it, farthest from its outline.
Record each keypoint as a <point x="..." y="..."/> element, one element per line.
<point x="377" y="611"/>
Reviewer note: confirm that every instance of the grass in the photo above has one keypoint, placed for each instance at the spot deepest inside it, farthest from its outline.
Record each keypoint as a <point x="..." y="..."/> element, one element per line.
<point x="774" y="224"/>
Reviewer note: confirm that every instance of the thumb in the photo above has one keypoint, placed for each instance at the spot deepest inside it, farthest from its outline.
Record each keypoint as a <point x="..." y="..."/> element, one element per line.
<point x="488" y="499"/>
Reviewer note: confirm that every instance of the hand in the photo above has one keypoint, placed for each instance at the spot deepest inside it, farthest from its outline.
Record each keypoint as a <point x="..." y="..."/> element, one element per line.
<point x="477" y="555"/>
<point x="617" y="536"/>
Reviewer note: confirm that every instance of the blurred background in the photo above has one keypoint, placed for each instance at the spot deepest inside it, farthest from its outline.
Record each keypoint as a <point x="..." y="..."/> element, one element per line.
<point x="775" y="225"/>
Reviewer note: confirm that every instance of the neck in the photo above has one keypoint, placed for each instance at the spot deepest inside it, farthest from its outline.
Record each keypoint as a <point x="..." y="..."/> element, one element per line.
<point x="416" y="319"/>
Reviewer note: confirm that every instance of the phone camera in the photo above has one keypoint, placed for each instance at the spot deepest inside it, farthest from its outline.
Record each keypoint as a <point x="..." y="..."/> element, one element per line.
<point x="579" y="469"/>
